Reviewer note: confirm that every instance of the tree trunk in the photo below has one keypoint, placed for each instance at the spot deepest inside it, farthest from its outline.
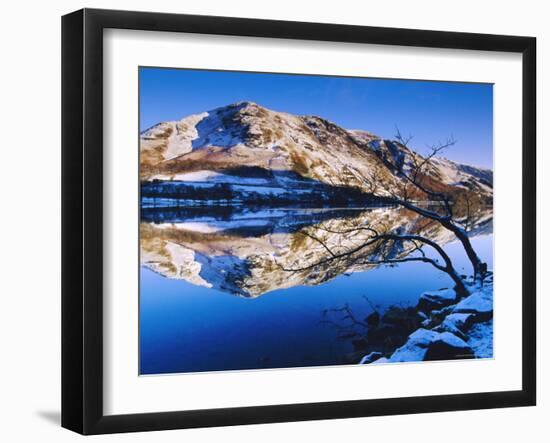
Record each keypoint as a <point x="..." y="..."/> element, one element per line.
<point x="460" y="288"/>
<point x="479" y="268"/>
<point x="448" y="268"/>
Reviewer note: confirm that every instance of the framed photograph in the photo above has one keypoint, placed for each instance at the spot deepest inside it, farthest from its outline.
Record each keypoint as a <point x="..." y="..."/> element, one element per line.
<point x="270" y="221"/>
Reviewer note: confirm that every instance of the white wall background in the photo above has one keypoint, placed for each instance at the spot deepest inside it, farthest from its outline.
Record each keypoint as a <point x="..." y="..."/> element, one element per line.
<point x="30" y="218"/>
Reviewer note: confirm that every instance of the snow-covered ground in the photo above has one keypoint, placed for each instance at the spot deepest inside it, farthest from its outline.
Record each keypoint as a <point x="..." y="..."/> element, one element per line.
<point x="215" y="177"/>
<point x="480" y="339"/>
<point x="452" y="329"/>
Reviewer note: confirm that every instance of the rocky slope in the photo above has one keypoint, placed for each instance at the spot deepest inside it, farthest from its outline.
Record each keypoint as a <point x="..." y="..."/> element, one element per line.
<point x="225" y="144"/>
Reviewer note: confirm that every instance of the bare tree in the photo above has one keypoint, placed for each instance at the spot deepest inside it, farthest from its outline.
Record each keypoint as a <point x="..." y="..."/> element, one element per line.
<point x="415" y="190"/>
<point x="415" y="180"/>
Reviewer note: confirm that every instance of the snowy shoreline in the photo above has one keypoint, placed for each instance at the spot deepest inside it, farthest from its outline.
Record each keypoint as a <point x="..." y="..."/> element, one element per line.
<point x="451" y="329"/>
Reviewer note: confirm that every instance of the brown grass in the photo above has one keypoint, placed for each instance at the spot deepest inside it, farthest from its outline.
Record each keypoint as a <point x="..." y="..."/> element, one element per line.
<point x="300" y="164"/>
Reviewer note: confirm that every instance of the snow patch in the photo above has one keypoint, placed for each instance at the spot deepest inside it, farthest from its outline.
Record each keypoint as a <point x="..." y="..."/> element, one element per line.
<point x="481" y="339"/>
<point x="416" y="346"/>
<point x="480" y="302"/>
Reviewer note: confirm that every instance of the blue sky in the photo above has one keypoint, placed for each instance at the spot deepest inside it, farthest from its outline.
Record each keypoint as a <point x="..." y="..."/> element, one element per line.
<point x="430" y="111"/>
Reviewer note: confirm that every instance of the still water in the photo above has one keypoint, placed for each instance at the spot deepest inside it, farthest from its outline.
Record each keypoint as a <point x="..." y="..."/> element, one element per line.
<point x="216" y="293"/>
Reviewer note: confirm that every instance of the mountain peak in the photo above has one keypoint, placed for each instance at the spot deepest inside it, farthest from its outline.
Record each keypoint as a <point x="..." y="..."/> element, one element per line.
<point x="245" y="107"/>
<point x="244" y="104"/>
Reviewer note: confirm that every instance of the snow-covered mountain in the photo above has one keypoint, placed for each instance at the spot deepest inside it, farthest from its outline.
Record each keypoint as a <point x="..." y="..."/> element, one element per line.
<point x="247" y="144"/>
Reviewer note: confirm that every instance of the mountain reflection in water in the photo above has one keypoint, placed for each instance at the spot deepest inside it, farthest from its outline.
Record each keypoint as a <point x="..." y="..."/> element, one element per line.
<point x="250" y="253"/>
<point x="206" y="263"/>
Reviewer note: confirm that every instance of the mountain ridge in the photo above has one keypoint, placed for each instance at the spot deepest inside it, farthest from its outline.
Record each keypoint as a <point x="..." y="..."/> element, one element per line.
<point x="248" y="135"/>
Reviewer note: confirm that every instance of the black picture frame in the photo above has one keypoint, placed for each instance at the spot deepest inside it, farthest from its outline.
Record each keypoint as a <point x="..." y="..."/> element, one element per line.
<point x="82" y="217"/>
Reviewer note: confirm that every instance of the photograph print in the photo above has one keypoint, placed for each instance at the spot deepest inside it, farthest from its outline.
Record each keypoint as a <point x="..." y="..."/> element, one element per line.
<point x="291" y="220"/>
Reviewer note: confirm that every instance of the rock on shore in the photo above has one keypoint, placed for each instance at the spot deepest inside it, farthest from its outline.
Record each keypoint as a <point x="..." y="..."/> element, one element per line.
<point x="453" y="328"/>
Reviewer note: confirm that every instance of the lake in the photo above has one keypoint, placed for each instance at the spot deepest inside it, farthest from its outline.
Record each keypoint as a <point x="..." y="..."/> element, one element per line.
<point x="234" y="289"/>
